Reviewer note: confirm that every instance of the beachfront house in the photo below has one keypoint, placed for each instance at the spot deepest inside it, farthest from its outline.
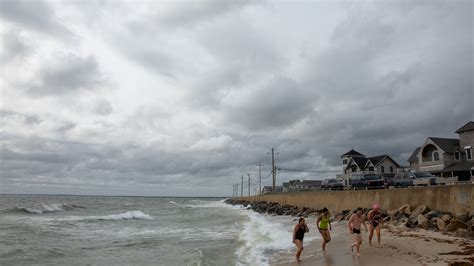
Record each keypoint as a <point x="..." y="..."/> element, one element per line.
<point x="446" y="157"/>
<point x="354" y="162"/>
<point x="295" y="185"/>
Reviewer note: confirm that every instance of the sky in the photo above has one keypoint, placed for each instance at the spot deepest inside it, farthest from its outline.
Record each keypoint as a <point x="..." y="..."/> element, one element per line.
<point x="182" y="98"/>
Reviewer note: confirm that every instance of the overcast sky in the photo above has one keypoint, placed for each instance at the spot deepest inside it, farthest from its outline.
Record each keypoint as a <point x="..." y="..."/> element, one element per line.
<point x="182" y="98"/>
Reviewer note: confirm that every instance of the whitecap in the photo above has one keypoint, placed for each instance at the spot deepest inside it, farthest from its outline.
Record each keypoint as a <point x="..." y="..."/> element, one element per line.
<point x="125" y="216"/>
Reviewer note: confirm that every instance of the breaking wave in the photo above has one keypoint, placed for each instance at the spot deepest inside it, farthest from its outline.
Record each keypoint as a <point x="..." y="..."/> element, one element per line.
<point x="44" y="208"/>
<point x="130" y="215"/>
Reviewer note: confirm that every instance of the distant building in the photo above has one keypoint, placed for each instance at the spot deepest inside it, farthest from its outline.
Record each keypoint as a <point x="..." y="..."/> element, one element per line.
<point x="286" y="186"/>
<point x="447" y="157"/>
<point x="295" y="185"/>
<point x="312" y="184"/>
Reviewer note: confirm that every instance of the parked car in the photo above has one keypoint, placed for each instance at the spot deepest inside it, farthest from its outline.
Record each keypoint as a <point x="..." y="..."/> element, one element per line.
<point x="357" y="182"/>
<point x="412" y="178"/>
<point x="401" y="180"/>
<point x="338" y="185"/>
<point x="326" y="184"/>
<point x="367" y="181"/>
<point x="424" y="178"/>
<point x="374" y="181"/>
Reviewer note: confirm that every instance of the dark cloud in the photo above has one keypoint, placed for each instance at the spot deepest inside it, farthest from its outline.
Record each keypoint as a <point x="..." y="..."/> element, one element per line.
<point x="37" y="15"/>
<point x="68" y="75"/>
<point x="14" y="46"/>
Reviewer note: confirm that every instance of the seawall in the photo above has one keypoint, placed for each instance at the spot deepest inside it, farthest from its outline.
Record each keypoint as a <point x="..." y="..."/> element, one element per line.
<point x="451" y="198"/>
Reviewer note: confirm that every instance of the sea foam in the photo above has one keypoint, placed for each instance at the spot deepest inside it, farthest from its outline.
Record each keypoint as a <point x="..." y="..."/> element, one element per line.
<point x="124" y="216"/>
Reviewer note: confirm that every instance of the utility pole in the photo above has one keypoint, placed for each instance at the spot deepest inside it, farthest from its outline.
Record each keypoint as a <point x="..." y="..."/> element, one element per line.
<point x="273" y="168"/>
<point x="259" y="179"/>
<point x="237" y="190"/>
<point x="249" y="184"/>
<point x="242" y="186"/>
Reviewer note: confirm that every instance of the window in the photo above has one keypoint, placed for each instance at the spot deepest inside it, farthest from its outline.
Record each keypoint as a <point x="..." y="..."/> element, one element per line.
<point x="468" y="154"/>
<point x="457" y="156"/>
<point x="382" y="169"/>
<point x="353" y="168"/>
<point x="391" y="169"/>
<point x="435" y="156"/>
<point x="344" y="161"/>
<point x="371" y="168"/>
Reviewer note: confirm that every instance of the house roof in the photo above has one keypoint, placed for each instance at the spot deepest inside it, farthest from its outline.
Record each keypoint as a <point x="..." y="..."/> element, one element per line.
<point x="414" y="155"/>
<point x="469" y="126"/>
<point x="447" y="145"/>
<point x="294" y="182"/>
<point x="459" y="166"/>
<point x="360" y="161"/>
<point x="352" y="152"/>
<point x="380" y="158"/>
<point x="285" y="184"/>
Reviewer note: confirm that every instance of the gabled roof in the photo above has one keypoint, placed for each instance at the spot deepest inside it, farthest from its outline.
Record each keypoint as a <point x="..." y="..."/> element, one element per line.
<point x="376" y="160"/>
<point x="447" y="145"/>
<point x="294" y="182"/>
<point x="469" y="126"/>
<point x="352" y="152"/>
<point x="414" y="155"/>
<point x="359" y="161"/>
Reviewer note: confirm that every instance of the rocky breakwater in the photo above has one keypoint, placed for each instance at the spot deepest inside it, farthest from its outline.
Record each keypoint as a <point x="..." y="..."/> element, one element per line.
<point x="273" y="208"/>
<point x="422" y="216"/>
<point x="404" y="218"/>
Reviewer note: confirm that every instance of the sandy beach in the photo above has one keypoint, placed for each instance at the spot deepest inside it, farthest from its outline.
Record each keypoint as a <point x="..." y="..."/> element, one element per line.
<point x="399" y="247"/>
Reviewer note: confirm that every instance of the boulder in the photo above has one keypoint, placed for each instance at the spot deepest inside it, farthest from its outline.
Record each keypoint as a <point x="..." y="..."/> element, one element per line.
<point x="455" y="225"/>
<point x="412" y="222"/>
<point x="461" y="233"/>
<point x="423" y="222"/>
<point x="405" y="209"/>
<point x="440" y="224"/>
<point x="471" y="215"/>
<point x="446" y="217"/>
<point x="422" y="209"/>
<point x="432" y="214"/>
<point x="392" y="212"/>
<point x="463" y="217"/>
<point x="470" y="225"/>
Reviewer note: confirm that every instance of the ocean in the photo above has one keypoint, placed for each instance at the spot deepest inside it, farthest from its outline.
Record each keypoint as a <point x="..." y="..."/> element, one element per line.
<point x="78" y="230"/>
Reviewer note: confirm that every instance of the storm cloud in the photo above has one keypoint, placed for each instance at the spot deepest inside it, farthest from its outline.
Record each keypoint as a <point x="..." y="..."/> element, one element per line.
<point x="180" y="98"/>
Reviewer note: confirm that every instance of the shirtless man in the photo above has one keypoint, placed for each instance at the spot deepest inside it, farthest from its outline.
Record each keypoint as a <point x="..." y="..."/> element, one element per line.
<point x="354" y="228"/>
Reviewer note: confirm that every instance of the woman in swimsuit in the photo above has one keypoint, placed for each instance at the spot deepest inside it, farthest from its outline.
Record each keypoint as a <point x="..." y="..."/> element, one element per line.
<point x="375" y="221"/>
<point x="324" y="225"/>
<point x="298" y="234"/>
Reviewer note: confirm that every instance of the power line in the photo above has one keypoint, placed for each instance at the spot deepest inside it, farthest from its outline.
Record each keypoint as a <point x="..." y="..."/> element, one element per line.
<point x="307" y="171"/>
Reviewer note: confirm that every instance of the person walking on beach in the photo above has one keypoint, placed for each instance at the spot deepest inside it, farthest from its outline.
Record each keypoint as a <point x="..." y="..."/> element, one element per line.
<point x="354" y="228"/>
<point x="375" y="223"/>
<point x="324" y="226"/>
<point x="298" y="234"/>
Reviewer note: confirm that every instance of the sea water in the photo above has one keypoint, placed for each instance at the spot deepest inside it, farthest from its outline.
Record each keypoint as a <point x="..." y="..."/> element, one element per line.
<point x="73" y="230"/>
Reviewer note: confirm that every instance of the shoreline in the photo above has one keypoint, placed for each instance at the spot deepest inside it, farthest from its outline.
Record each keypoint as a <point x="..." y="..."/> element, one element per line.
<point x="420" y="247"/>
<point x="409" y="237"/>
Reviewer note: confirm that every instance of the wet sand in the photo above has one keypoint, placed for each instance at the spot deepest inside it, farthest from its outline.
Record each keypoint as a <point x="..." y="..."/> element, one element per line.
<point x="399" y="247"/>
